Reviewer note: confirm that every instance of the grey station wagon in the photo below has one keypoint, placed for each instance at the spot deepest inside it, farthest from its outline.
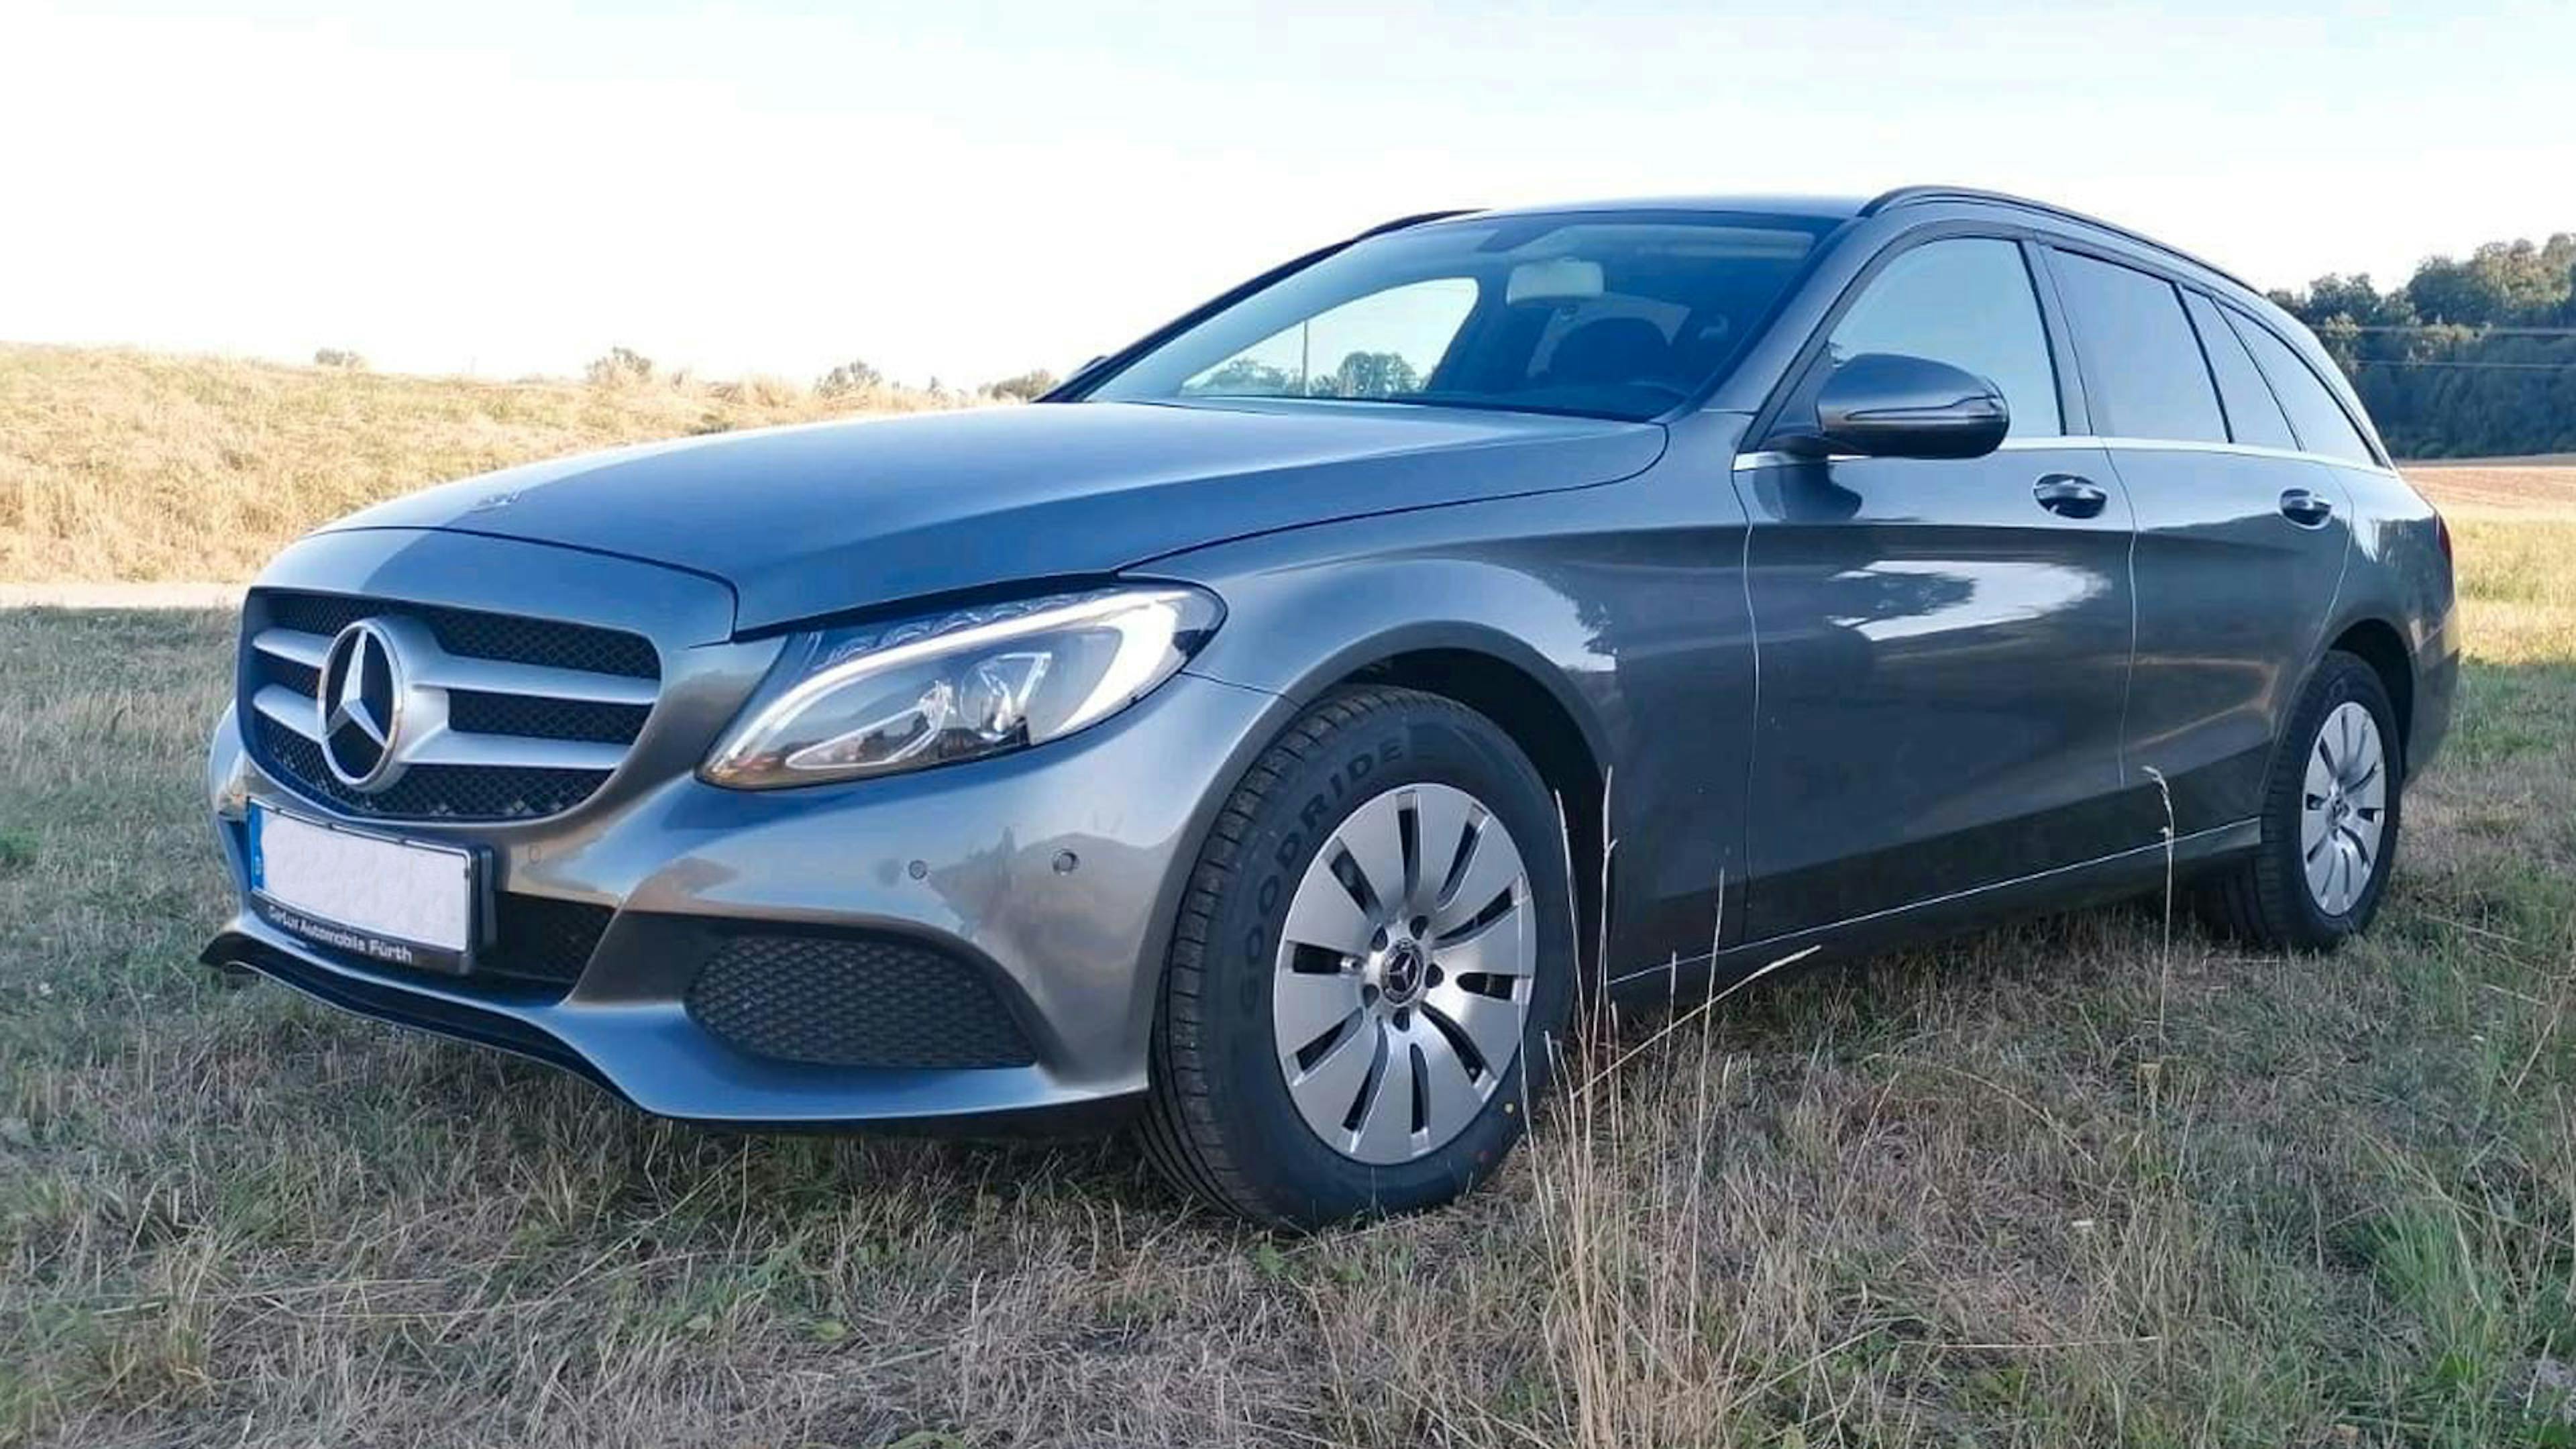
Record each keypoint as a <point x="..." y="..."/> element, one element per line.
<point x="1277" y="730"/>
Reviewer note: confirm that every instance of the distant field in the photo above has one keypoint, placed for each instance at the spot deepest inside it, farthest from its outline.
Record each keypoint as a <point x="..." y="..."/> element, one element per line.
<point x="2517" y="485"/>
<point x="121" y="465"/>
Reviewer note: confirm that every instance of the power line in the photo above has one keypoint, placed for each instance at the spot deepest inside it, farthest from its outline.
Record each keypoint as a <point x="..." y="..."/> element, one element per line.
<point x="2470" y="328"/>
<point x="2467" y="366"/>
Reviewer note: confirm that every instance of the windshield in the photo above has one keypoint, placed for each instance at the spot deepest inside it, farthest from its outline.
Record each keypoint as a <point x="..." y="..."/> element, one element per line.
<point x="1609" y="314"/>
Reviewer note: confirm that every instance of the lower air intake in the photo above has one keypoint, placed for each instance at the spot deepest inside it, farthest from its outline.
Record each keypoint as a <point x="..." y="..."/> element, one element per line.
<point x="855" y="1001"/>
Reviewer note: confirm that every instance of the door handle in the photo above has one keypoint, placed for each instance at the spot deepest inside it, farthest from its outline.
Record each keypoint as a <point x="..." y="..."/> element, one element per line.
<point x="2067" y="494"/>
<point x="2306" y="509"/>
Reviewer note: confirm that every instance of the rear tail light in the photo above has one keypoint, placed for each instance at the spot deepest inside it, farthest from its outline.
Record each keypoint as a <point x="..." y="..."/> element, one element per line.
<point x="2442" y="534"/>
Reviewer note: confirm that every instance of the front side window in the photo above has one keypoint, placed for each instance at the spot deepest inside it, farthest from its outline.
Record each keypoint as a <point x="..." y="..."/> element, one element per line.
<point x="1607" y="314"/>
<point x="2322" y="425"/>
<point x="2143" y="371"/>
<point x="1968" y="302"/>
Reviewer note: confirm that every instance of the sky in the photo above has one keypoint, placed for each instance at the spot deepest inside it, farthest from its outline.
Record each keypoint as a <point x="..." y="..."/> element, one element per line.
<point x="963" y="191"/>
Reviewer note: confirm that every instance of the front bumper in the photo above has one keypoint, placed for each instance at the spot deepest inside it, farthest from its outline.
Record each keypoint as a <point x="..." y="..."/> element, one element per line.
<point x="1054" y="875"/>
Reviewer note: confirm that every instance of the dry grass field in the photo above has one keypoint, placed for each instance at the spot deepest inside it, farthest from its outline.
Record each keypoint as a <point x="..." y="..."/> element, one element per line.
<point x="121" y="465"/>
<point x="2473" y="487"/>
<point x="2093" y="1180"/>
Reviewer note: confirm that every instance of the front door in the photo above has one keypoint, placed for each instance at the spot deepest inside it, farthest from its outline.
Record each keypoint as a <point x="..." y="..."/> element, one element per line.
<point x="1942" y="646"/>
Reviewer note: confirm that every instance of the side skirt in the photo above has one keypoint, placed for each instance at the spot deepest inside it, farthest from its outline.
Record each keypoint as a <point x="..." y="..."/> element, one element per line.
<point x="2128" y="873"/>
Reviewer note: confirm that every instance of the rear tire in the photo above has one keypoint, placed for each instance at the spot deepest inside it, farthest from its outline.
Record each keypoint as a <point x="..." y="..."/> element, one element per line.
<point x="2331" y="807"/>
<point x="1379" y="915"/>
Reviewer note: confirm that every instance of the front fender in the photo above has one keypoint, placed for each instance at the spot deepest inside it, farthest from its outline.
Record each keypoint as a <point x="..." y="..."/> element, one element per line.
<point x="1624" y="603"/>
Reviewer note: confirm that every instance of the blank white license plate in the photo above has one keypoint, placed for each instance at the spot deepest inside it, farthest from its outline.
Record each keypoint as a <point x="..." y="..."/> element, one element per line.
<point x="388" y="900"/>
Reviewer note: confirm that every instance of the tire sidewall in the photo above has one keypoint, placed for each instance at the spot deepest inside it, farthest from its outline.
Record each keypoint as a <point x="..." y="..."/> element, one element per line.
<point x="1412" y="742"/>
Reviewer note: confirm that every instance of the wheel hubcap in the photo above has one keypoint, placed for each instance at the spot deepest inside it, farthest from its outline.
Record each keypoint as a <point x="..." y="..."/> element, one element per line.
<point x="1404" y="974"/>
<point x="2343" y="808"/>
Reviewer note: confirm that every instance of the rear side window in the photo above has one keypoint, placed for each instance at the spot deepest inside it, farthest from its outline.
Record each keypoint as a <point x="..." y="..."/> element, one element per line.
<point x="2142" y="367"/>
<point x="1967" y="302"/>
<point x="2321" y="422"/>
<point x="2253" y="414"/>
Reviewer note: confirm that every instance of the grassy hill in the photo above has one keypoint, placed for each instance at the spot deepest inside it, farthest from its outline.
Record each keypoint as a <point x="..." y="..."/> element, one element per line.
<point x="124" y="465"/>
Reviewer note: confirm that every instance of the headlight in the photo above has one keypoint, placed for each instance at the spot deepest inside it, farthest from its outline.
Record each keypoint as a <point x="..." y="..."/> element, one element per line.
<point x="848" y="703"/>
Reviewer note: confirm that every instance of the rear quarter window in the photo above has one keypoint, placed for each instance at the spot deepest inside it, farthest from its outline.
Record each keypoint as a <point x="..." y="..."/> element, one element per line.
<point x="2320" y="421"/>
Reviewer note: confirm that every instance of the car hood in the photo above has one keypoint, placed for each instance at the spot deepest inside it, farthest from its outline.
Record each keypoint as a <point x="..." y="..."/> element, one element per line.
<point x="814" y="520"/>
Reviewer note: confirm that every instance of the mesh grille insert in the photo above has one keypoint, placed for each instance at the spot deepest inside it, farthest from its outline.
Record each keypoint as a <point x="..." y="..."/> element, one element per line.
<point x="539" y="938"/>
<point x="533" y="716"/>
<point x="855" y="1001"/>
<point x="427" y="792"/>
<point x="478" y="635"/>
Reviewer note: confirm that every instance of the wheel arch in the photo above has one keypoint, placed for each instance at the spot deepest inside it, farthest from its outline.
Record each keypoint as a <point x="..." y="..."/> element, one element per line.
<point x="1547" y="729"/>
<point x="2377" y="643"/>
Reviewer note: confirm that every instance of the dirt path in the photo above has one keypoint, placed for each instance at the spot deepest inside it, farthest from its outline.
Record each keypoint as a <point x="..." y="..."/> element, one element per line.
<point x="120" y="596"/>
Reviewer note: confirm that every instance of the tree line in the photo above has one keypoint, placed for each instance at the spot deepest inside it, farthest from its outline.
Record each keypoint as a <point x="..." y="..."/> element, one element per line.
<point x="2466" y="358"/>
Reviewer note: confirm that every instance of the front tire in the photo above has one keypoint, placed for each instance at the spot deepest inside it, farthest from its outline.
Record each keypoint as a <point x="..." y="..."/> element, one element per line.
<point x="1376" y="948"/>
<point x="2331" y="809"/>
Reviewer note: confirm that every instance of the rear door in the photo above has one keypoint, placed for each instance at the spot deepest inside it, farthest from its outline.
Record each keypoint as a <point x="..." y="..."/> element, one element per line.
<point x="1942" y="646"/>
<point x="2241" y="538"/>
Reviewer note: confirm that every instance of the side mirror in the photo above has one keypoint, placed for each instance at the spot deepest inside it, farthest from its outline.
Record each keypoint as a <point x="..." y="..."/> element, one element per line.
<point x="1883" y="405"/>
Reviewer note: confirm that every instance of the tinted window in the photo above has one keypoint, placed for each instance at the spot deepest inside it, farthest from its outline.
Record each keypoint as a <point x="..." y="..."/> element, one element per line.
<point x="1966" y="302"/>
<point x="1615" y="314"/>
<point x="2253" y="414"/>
<point x="2319" y="420"/>
<point x="2143" y="371"/>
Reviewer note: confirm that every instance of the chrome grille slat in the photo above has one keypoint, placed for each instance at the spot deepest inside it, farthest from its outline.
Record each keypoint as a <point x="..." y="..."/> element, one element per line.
<point x="484" y="676"/>
<point x="493" y="676"/>
<point x="514" y="752"/>
<point x="545" y="710"/>
<point x="293" y="645"/>
<point x="285" y="706"/>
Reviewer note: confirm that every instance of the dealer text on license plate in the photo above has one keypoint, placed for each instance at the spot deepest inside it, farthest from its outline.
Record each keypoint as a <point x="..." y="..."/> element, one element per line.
<point x="397" y="901"/>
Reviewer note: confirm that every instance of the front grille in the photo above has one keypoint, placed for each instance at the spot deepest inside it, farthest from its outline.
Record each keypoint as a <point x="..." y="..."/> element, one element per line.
<point x="855" y="1001"/>
<point x="539" y="713"/>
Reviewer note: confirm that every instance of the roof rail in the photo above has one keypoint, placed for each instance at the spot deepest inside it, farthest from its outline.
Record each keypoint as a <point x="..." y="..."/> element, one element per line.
<point x="1921" y="195"/>
<point x="1416" y="219"/>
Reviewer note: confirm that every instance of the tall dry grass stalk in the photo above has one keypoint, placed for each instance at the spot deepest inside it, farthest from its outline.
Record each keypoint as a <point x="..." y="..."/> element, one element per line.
<point x="1659" y="1334"/>
<point x="1639" y="1359"/>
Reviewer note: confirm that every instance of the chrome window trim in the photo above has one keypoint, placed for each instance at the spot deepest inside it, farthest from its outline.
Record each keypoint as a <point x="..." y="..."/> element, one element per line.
<point x="1778" y="458"/>
<point x="1771" y="458"/>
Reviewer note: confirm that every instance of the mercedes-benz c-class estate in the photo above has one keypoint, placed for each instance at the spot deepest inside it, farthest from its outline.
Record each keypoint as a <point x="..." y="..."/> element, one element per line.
<point x="1276" y="731"/>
